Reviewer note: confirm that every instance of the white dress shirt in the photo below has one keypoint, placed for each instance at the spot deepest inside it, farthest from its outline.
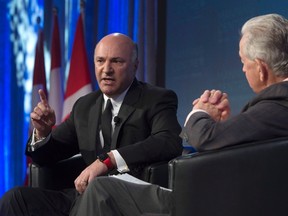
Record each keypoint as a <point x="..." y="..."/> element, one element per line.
<point x="116" y="103"/>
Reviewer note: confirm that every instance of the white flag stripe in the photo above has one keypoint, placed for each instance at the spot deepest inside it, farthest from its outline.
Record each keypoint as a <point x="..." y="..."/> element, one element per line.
<point x="55" y="93"/>
<point x="69" y="102"/>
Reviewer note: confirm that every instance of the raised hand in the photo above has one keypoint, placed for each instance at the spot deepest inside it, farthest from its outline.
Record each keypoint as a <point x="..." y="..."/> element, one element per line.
<point x="43" y="116"/>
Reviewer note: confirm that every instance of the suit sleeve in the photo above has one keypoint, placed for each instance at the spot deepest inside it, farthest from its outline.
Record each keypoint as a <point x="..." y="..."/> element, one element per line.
<point x="51" y="149"/>
<point x="163" y="142"/>
<point x="260" y="122"/>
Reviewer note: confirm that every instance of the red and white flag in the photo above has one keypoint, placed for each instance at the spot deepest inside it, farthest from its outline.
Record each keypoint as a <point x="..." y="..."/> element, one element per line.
<point x="39" y="76"/>
<point x="39" y="82"/>
<point x="56" y="88"/>
<point x="79" y="80"/>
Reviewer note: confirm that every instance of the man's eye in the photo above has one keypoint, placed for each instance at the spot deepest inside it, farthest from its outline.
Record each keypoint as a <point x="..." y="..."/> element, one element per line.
<point x="118" y="61"/>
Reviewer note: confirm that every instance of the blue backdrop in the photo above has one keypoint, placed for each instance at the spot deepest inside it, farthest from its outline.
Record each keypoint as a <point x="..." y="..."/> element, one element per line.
<point x="18" y="35"/>
<point x="15" y="56"/>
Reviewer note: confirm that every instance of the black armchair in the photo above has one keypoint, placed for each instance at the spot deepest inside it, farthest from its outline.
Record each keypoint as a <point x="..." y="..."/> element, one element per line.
<point x="63" y="174"/>
<point x="244" y="180"/>
<point x="58" y="176"/>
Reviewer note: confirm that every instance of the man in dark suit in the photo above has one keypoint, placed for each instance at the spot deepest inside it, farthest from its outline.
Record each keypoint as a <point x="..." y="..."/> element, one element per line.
<point x="264" y="54"/>
<point x="263" y="50"/>
<point x="143" y="129"/>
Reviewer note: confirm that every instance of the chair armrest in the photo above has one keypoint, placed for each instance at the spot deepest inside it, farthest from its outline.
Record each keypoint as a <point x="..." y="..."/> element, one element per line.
<point x="156" y="173"/>
<point x="248" y="179"/>
<point x="62" y="174"/>
<point x="58" y="176"/>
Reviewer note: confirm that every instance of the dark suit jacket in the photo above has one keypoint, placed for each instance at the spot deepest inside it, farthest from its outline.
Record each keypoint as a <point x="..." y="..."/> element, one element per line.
<point x="264" y="117"/>
<point x="148" y="130"/>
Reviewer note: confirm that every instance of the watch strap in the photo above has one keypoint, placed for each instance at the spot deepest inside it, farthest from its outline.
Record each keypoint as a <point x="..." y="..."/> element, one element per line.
<point x="108" y="163"/>
<point x="104" y="158"/>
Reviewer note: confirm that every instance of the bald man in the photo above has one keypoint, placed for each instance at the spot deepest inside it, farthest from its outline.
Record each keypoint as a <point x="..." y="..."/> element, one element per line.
<point x="144" y="130"/>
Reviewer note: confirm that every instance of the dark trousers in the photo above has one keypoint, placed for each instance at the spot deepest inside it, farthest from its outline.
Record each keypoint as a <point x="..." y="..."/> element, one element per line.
<point x="104" y="196"/>
<point x="37" y="201"/>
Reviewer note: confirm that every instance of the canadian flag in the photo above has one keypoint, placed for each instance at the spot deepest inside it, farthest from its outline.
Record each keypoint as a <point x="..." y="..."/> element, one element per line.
<point x="39" y="82"/>
<point x="39" y="76"/>
<point x="56" y="88"/>
<point x="79" y="80"/>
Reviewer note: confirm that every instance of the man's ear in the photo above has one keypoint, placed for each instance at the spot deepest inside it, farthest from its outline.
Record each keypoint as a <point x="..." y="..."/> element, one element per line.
<point x="263" y="70"/>
<point x="136" y="65"/>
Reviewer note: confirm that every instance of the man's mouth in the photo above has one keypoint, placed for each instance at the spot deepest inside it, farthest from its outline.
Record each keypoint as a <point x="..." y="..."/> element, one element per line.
<point x="108" y="80"/>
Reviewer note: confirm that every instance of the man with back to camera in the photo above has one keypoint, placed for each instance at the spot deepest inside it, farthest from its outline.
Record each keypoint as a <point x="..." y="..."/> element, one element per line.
<point x="263" y="50"/>
<point x="146" y="131"/>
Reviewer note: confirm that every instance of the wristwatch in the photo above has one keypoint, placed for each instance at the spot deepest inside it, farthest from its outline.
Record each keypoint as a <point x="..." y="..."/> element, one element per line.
<point x="104" y="158"/>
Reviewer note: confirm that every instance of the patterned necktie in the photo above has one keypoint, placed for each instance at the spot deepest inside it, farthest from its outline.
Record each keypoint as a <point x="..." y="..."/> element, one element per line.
<point x="106" y="119"/>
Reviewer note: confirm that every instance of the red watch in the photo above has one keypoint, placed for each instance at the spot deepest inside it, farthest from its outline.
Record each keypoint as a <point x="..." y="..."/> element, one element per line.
<point x="104" y="158"/>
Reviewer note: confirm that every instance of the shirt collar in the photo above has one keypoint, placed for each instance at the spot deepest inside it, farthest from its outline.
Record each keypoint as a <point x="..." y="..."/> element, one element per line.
<point x="116" y="101"/>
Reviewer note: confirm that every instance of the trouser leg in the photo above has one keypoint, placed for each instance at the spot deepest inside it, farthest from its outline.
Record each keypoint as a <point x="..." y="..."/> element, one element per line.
<point x="108" y="196"/>
<point x="36" y="201"/>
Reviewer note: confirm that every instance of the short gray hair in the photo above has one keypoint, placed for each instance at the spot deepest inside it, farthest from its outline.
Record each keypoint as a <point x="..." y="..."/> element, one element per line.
<point x="267" y="39"/>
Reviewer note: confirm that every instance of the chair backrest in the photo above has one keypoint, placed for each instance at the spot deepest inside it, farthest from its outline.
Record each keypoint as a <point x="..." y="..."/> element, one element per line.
<point x="249" y="179"/>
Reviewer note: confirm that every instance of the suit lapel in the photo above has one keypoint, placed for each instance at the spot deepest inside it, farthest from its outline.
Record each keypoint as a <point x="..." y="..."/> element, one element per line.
<point x="127" y="108"/>
<point x="94" y="117"/>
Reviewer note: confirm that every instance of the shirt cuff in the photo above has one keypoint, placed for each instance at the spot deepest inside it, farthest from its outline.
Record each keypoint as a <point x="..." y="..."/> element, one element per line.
<point x="34" y="140"/>
<point x="120" y="162"/>
<point x="191" y="113"/>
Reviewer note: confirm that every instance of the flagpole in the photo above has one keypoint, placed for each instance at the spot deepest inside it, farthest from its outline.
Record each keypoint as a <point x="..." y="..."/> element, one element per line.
<point x="82" y="7"/>
<point x="55" y="10"/>
<point x="38" y="21"/>
<point x="82" y="12"/>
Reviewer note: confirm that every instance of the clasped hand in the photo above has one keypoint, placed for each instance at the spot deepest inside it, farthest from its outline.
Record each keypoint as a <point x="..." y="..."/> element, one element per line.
<point x="215" y="103"/>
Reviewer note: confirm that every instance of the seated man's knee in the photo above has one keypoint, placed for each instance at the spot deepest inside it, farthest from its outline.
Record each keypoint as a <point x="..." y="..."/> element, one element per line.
<point x="103" y="184"/>
<point x="96" y="183"/>
<point x="11" y="195"/>
<point x="10" y="202"/>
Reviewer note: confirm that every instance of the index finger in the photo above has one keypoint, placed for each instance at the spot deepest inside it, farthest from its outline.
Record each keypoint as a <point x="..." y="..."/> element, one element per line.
<point x="224" y="96"/>
<point x="215" y="97"/>
<point x="205" y="96"/>
<point x="43" y="97"/>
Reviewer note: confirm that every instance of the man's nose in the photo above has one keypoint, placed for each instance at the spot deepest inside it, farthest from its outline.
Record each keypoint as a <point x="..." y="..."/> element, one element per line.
<point x="107" y="67"/>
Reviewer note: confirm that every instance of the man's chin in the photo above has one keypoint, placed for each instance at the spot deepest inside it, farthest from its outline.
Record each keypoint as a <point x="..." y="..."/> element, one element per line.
<point x="108" y="91"/>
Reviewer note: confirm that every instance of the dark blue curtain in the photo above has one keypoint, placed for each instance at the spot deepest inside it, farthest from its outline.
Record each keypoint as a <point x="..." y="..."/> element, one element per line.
<point x="13" y="127"/>
<point x="5" y="85"/>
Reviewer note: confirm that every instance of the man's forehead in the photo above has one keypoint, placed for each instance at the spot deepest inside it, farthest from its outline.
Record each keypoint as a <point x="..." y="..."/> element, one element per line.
<point x="113" y="50"/>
